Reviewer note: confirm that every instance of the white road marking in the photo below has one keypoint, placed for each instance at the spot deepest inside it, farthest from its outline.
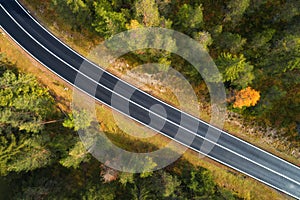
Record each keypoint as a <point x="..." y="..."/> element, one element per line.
<point x="27" y="12"/>
<point x="213" y="158"/>
<point x="151" y="111"/>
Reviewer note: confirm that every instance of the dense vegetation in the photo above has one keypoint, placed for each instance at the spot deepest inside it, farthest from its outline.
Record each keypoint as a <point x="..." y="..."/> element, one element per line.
<point x="41" y="159"/>
<point x="255" y="44"/>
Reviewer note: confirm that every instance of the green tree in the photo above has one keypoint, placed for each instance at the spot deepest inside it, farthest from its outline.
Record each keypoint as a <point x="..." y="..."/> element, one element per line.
<point x="78" y="12"/>
<point x="144" y="38"/>
<point x="286" y="56"/>
<point x="230" y="42"/>
<point x="235" y="70"/>
<point x="24" y="107"/>
<point x="38" y="186"/>
<point x="125" y="178"/>
<point x="147" y="13"/>
<point x="189" y="19"/>
<point x="22" y="152"/>
<point x="24" y="104"/>
<point x="204" y="38"/>
<point x="235" y="11"/>
<point x="260" y="43"/>
<point x="201" y="184"/>
<point x="76" y="5"/>
<point x="77" y="155"/>
<point x="171" y="184"/>
<point x="78" y="120"/>
<point x="107" y="22"/>
<point x="150" y="187"/>
<point x="288" y="11"/>
<point x="99" y="191"/>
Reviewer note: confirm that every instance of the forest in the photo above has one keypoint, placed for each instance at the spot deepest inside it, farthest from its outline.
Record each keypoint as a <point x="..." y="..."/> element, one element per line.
<point x="254" y="43"/>
<point x="38" y="162"/>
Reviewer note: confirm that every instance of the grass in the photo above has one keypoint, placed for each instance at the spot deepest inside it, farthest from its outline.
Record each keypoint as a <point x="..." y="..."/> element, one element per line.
<point x="245" y="187"/>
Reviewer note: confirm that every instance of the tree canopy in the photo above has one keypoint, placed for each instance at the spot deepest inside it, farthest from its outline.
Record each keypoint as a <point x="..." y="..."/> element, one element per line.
<point x="255" y="44"/>
<point x="24" y="107"/>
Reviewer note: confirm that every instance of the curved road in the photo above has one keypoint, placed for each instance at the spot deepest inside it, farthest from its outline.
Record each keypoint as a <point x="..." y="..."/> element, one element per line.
<point x="65" y="62"/>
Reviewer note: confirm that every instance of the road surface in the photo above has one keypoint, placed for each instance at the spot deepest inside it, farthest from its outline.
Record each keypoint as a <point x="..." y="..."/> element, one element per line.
<point x="65" y="62"/>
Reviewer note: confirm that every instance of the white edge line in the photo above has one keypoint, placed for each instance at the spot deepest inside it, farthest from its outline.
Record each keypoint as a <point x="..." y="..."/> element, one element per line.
<point x="27" y="12"/>
<point x="195" y="134"/>
<point x="147" y="125"/>
<point x="154" y="98"/>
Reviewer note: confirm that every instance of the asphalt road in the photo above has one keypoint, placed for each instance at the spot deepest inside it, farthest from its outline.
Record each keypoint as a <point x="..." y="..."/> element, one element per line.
<point x="65" y="63"/>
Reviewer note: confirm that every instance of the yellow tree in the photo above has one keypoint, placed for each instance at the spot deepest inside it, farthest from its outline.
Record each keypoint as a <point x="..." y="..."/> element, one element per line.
<point x="246" y="97"/>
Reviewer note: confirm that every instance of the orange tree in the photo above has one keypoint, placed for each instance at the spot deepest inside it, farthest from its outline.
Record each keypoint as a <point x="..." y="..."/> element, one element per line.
<point x="246" y="97"/>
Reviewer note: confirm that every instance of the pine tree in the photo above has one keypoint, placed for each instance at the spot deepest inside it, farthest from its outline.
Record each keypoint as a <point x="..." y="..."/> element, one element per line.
<point x="189" y="19"/>
<point x="235" y="70"/>
<point x="24" y="106"/>
<point x="107" y="22"/>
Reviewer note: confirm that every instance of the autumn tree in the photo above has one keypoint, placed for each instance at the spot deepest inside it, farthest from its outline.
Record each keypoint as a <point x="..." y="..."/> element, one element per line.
<point x="246" y="97"/>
